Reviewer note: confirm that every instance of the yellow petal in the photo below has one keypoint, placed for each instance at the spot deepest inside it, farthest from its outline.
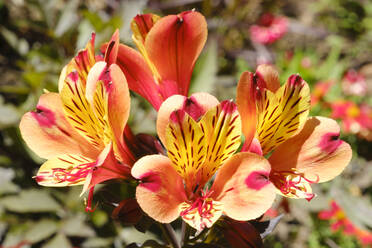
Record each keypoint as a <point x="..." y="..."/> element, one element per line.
<point x="185" y="141"/>
<point x="282" y="115"/>
<point x="222" y="128"/>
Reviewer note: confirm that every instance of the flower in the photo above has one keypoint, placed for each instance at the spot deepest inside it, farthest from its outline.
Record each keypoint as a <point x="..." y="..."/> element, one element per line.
<point x="339" y="220"/>
<point x="201" y="136"/>
<point x="168" y="48"/>
<point x="80" y="129"/>
<point x="355" y="118"/>
<point x="270" y="28"/>
<point x="301" y="149"/>
<point x="354" y="83"/>
<point x="320" y="90"/>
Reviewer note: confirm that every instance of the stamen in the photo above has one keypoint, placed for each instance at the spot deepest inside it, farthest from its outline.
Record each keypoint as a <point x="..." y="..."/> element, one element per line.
<point x="88" y="207"/>
<point x="293" y="183"/>
<point x="72" y="174"/>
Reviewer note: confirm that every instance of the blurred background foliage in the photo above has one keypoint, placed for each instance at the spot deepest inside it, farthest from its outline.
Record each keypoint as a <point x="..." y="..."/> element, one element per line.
<point x="325" y="39"/>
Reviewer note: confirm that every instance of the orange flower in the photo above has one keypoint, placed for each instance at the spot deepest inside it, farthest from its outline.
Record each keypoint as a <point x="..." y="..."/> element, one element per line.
<point x="302" y="149"/>
<point x="80" y="129"/>
<point x="201" y="136"/>
<point x="168" y="48"/>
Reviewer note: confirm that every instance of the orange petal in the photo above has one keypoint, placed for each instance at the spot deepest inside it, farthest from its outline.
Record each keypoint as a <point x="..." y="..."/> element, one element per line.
<point x="270" y="76"/>
<point x="138" y="74"/>
<point x="161" y="190"/>
<point x="281" y="115"/>
<point x="316" y="151"/>
<point x="242" y="185"/>
<point x="246" y="102"/>
<point x="222" y="128"/>
<point x="196" y="106"/>
<point x="173" y="45"/>
<point x="112" y="49"/>
<point x="141" y="25"/>
<point x="107" y="167"/>
<point x="47" y="132"/>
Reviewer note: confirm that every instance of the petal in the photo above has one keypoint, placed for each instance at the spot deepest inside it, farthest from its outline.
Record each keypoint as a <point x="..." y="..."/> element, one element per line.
<point x="202" y="214"/>
<point x="108" y="94"/>
<point x="246" y="102"/>
<point x="112" y="49"/>
<point x="269" y="75"/>
<point x="316" y="151"/>
<point x="138" y="74"/>
<point x="196" y="105"/>
<point x="222" y="128"/>
<point x="173" y="45"/>
<point x="81" y="63"/>
<point x="160" y="191"/>
<point x="186" y="145"/>
<point x="141" y="25"/>
<point x="107" y="167"/>
<point x="65" y="170"/>
<point x="281" y="115"/>
<point x="243" y="187"/>
<point x="47" y="132"/>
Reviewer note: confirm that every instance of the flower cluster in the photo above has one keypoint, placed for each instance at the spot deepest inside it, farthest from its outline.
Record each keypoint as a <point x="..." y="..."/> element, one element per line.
<point x="340" y="221"/>
<point x="204" y="170"/>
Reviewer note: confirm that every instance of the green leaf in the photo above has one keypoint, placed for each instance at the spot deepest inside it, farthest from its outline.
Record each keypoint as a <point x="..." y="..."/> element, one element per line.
<point x="76" y="227"/>
<point x="205" y="71"/>
<point x="68" y="19"/>
<point x="40" y="231"/>
<point x="30" y="201"/>
<point x="97" y="242"/>
<point x="60" y="240"/>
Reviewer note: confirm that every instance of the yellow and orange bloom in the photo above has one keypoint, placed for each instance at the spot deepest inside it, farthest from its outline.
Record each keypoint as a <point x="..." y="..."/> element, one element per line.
<point x="201" y="136"/>
<point x="168" y="48"/>
<point x="302" y="150"/>
<point x="80" y="129"/>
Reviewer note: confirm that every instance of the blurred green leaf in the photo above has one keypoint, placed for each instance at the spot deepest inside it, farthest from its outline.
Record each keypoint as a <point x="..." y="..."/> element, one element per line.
<point x="40" y="231"/>
<point x="97" y="242"/>
<point x="76" y="227"/>
<point x="68" y="19"/>
<point x="59" y="241"/>
<point x="30" y="201"/>
<point x="205" y="71"/>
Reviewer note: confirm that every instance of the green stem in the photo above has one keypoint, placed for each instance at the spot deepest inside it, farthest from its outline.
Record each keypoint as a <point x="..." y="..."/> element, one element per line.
<point x="170" y="235"/>
<point x="185" y="233"/>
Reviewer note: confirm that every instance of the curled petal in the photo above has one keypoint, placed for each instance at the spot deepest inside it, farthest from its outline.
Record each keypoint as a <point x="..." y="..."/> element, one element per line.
<point x="108" y="95"/>
<point x="161" y="191"/>
<point x="47" y="132"/>
<point x="173" y="45"/>
<point x="196" y="105"/>
<point x="269" y="75"/>
<point x="281" y="115"/>
<point x="112" y="49"/>
<point x="242" y="185"/>
<point x="316" y="151"/>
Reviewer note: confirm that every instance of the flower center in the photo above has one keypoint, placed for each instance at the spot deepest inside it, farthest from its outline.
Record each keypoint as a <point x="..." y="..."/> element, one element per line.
<point x="202" y="212"/>
<point x="293" y="184"/>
